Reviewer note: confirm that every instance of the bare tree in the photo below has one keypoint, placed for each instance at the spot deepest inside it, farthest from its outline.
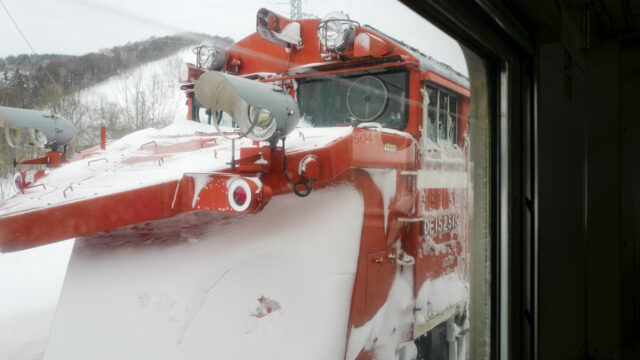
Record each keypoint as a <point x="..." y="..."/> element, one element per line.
<point x="73" y="108"/>
<point x="149" y="101"/>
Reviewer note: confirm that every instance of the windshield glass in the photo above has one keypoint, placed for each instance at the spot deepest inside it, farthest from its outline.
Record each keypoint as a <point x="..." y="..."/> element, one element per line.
<point x="356" y="97"/>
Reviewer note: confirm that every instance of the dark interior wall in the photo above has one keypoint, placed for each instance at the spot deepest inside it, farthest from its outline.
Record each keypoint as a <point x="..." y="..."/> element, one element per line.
<point x="589" y="169"/>
<point x="603" y="204"/>
<point x="588" y="186"/>
<point x="613" y="123"/>
<point x="561" y="189"/>
<point x="587" y="66"/>
<point x="630" y="204"/>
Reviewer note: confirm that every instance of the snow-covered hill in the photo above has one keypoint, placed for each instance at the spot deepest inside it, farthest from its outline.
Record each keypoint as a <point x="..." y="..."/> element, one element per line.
<point x="153" y="88"/>
<point x="143" y="97"/>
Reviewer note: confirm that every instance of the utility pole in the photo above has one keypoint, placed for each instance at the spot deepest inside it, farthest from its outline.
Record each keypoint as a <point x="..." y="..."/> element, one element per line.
<point x="296" y="10"/>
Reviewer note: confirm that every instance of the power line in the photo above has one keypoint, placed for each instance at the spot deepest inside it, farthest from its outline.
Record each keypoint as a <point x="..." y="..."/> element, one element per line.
<point x="30" y="47"/>
<point x="147" y="20"/>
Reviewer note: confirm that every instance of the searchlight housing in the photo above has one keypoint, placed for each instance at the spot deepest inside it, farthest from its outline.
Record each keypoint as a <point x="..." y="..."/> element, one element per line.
<point x="45" y="129"/>
<point x="261" y="111"/>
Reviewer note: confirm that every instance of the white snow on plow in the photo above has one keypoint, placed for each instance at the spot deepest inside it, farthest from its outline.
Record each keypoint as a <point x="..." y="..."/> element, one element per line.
<point x="276" y="285"/>
<point x="107" y="172"/>
<point x="437" y="295"/>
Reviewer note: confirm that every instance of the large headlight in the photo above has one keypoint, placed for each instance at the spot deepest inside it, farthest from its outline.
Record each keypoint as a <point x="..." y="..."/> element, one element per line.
<point x="262" y="112"/>
<point x="336" y="31"/>
<point x="265" y="123"/>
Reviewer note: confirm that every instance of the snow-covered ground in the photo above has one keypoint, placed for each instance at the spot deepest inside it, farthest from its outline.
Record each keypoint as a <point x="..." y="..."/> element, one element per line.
<point x="30" y="283"/>
<point x="7" y="189"/>
<point x="23" y="337"/>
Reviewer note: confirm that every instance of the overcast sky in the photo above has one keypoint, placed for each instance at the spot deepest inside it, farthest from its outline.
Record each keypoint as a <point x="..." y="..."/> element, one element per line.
<point x="78" y="27"/>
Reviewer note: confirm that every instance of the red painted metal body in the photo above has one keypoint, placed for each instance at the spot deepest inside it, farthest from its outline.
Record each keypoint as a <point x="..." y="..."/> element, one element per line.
<point x="422" y="214"/>
<point x="51" y="159"/>
<point x="103" y="138"/>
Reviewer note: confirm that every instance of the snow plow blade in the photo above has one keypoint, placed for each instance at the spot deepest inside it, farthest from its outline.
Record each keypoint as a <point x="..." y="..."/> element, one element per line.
<point x="202" y="191"/>
<point x="205" y="285"/>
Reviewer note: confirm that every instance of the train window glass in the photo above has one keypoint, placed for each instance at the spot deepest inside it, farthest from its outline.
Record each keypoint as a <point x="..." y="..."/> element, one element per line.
<point x="443" y="106"/>
<point x="453" y="120"/>
<point x="432" y="110"/>
<point x="442" y="115"/>
<point x="416" y="208"/>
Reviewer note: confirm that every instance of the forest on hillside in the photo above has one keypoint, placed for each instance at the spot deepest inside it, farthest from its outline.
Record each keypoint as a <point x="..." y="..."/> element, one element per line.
<point x="24" y="83"/>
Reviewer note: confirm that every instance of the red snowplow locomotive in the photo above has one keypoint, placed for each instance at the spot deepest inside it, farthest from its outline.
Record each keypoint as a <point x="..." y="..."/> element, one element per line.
<point x="300" y="107"/>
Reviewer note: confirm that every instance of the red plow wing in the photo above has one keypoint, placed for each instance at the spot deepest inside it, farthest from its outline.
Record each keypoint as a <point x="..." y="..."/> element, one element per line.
<point x="145" y="178"/>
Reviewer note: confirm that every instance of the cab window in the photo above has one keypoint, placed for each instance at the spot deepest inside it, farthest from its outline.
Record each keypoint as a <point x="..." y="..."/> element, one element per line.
<point x="355" y="98"/>
<point x="442" y="115"/>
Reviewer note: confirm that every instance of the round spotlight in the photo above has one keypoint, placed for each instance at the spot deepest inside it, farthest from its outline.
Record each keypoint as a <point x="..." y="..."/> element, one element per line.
<point x="336" y="31"/>
<point x="262" y="122"/>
